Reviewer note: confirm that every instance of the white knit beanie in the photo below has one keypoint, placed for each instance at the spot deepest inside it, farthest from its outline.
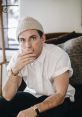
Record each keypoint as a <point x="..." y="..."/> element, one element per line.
<point x="28" y="23"/>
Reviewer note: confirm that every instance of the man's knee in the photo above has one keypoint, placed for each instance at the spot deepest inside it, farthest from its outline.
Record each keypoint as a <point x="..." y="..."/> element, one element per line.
<point x="3" y="102"/>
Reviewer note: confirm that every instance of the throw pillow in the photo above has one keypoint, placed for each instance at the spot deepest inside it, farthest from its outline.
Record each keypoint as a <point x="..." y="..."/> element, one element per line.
<point x="74" y="48"/>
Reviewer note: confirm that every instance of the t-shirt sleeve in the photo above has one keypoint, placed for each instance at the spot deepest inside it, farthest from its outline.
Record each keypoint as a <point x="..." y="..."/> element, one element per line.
<point x="63" y="64"/>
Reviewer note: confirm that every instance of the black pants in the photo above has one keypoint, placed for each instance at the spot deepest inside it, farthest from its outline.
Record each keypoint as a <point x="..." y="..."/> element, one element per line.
<point x="24" y="100"/>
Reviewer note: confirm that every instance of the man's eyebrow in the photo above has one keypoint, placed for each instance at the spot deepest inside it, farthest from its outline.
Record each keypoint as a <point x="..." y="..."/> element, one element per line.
<point x="32" y="36"/>
<point x="29" y="37"/>
<point x="20" y="38"/>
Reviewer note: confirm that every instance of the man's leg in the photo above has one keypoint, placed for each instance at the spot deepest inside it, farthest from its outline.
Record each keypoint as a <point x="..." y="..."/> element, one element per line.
<point x="19" y="102"/>
<point x="4" y="108"/>
<point x="22" y="101"/>
<point x="25" y="100"/>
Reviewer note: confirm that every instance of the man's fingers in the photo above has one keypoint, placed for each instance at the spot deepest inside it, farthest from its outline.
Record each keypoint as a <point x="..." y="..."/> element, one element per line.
<point x="27" y="60"/>
<point x="28" y="56"/>
<point x="26" y="52"/>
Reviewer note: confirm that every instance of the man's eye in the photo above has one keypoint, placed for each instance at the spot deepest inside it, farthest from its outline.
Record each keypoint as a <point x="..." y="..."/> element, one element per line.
<point x="33" y="38"/>
<point x="21" y="39"/>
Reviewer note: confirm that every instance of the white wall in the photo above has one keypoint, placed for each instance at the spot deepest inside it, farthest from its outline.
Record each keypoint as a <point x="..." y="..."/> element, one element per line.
<point x="55" y="15"/>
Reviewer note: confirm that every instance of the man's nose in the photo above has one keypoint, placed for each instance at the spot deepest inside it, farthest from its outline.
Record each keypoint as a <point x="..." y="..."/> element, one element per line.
<point x="28" y="45"/>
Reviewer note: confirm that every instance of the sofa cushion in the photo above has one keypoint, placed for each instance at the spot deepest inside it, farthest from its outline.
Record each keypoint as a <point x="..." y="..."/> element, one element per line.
<point x="74" y="48"/>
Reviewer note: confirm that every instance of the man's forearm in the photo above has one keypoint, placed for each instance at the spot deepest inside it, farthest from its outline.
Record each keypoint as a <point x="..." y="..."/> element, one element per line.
<point x="11" y="87"/>
<point x="50" y="102"/>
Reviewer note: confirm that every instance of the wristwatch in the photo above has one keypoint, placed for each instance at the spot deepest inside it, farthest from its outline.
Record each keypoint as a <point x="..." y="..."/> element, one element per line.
<point x="36" y="110"/>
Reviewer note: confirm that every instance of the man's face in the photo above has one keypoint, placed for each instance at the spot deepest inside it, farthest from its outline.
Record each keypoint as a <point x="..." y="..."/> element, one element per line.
<point x="31" y="40"/>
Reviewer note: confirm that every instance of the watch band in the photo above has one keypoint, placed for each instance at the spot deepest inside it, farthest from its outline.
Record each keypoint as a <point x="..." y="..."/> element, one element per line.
<point x="36" y="110"/>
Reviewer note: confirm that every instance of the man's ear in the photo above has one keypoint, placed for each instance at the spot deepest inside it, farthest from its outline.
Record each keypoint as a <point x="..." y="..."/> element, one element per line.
<point x="43" y="38"/>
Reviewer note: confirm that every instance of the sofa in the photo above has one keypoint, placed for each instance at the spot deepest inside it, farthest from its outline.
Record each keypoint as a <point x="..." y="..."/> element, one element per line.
<point x="72" y="43"/>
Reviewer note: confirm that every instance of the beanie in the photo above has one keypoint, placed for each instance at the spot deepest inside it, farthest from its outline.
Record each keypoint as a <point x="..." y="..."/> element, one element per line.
<point x="27" y="24"/>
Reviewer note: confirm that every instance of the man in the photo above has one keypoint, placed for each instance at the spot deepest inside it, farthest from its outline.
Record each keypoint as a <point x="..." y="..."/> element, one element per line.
<point x="45" y="68"/>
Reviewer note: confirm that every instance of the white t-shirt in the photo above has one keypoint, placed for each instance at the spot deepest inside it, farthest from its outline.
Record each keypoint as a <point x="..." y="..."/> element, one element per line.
<point x="39" y="74"/>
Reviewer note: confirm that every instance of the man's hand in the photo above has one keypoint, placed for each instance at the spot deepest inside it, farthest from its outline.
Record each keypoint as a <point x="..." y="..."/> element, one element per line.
<point x="23" y="59"/>
<point x="30" y="112"/>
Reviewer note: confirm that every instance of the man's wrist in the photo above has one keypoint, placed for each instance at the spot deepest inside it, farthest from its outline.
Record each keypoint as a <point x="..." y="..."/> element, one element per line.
<point x="14" y="73"/>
